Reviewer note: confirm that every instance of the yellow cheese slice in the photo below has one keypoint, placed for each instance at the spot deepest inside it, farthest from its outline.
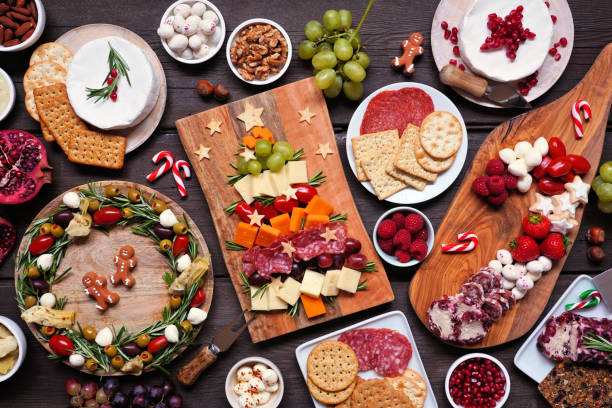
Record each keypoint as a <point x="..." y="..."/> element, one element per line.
<point x="312" y="283"/>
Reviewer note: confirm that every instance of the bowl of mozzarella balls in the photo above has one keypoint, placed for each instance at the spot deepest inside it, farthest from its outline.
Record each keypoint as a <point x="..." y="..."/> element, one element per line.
<point x="254" y="382"/>
<point x="192" y="31"/>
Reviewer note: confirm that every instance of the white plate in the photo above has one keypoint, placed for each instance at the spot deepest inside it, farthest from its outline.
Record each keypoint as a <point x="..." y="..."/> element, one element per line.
<point x="528" y="359"/>
<point x="409" y="195"/>
<point x="393" y="320"/>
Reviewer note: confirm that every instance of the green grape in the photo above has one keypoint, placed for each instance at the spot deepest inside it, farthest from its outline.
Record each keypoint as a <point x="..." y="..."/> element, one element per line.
<point x="334" y="90"/>
<point x="343" y="49"/>
<point x="325" y="78"/>
<point x="307" y="50"/>
<point x="352" y="90"/>
<point x="242" y="166"/>
<point x="285" y="149"/>
<point x="324" y="46"/>
<point x="604" y="192"/>
<point x="276" y="161"/>
<point x="324" y="59"/>
<point x="313" y="30"/>
<point x="346" y="19"/>
<point x="354" y="71"/>
<point x="597" y="181"/>
<point x="362" y="58"/>
<point x="356" y="41"/>
<point x="263" y="148"/>
<point x="254" y="167"/>
<point x="332" y="20"/>
<point x="605" y="171"/>
<point x="329" y="33"/>
<point x="604" y="207"/>
<point x="264" y="162"/>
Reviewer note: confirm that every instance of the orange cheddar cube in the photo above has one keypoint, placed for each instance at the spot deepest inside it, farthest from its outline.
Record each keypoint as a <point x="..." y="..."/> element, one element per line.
<point x="313" y="306"/>
<point x="297" y="215"/>
<point x="313" y="220"/>
<point x="281" y="223"/>
<point x="262" y="133"/>
<point x="266" y="235"/>
<point x="245" y="234"/>
<point x="249" y="141"/>
<point x="318" y="206"/>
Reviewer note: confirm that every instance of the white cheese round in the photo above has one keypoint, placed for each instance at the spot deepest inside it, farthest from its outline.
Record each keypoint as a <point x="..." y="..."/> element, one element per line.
<point x="89" y="69"/>
<point x="494" y="64"/>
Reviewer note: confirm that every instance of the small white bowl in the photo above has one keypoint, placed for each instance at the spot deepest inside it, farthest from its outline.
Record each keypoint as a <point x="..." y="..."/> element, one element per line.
<point x="11" y="89"/>
<point x="40" y="26"/>
<point x="501" y="402"/>
<point x="232" y="41"/>
<point x="391" y="258"/>
<point x="21" y="343"/>
<point x="231" y="381"/>
<point x="213" y="51"/>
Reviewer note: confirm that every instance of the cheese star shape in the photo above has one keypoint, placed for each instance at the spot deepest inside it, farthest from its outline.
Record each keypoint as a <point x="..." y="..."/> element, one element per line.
<point x="202" y="152"/>
<point x="578" y="190"/>
<point x="329" y="235"/>
<point x="214" y="126"/>
<point x="289" y="193"/>
<point x="324" y="150"/>
<point x="562" y="222"/>
<point x="562" y="202"/>
<point x="251" y="116"/>
<point x="248" y="154"/>
<point x="255" y="218"/>
<point x="288" y="248"/>
<point x="306" y="115"/>
<point x="543" y="205"/>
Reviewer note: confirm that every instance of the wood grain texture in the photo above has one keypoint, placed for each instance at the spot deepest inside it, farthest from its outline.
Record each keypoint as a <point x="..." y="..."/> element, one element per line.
<point x="281" y="115"/>
<point x="497" y="227"/>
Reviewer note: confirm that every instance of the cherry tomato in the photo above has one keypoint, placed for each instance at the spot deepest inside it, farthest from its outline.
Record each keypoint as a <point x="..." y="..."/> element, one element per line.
<point x="550" y="186"/>
<point x="568" y="178"/>
<point x="198" y="298"/>
<point x="107" y="216"/>
<point x="244" y="210"/>
<point x="580" y="165"/>
<point x="283" y="205"/>
<point x="559" y="167"/>
<point x="61" y="345"/>
<point x="305" y="192"/>
<point x="268" y="212"/>
<point x="541" y="169"/>
<point x="41" y="244"/>
<point x="157" y="344"/>
<point x="179" y="247"/>
<point x="556" y="148"/>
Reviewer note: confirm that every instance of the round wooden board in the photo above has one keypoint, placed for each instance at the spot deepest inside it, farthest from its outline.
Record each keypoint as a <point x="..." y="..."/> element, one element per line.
<point x="452" y="12"/>
<point x="77" y="37"/>
<point x="140" y="305"/>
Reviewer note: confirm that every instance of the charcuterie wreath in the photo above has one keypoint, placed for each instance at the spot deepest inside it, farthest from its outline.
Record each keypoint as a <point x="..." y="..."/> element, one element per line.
<point x="113" y="279"/>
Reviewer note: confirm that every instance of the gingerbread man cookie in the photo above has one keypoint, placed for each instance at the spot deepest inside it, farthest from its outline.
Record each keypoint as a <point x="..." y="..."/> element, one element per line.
<point x="95" y="285"/>
<point x="125" y="263"/>
<point x="412" y="48"/>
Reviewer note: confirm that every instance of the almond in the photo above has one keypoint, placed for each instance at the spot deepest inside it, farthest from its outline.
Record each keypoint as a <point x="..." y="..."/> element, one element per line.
<point x="17" y="16"/>
<point x="7" y="22"/>
<point x="24" y="28"/>
<point x="1" y="34"/>
<point x="34" y="10"/>
<point x="22" y="10"/>
<point x="8" y="34"/>
<point x="3" y="8"/>
<point x="12" y="42"/>
<point x="27" y="35"/>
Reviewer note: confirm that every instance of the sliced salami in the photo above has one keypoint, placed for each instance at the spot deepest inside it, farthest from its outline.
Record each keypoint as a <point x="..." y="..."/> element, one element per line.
<point x="361" y="341"/>
<point x="492" y="306"/>
<point x="474" y="291"/>
<point x="394" y="356"/>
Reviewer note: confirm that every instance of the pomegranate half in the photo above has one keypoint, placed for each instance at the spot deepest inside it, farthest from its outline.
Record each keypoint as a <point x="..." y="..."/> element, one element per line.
<point x="7" y="237"/>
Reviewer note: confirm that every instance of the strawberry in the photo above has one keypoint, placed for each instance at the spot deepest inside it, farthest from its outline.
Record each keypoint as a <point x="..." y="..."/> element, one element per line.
<point x="554" y="246"/>
<point x="524" y="249"/>
<point x="536" y="226"/>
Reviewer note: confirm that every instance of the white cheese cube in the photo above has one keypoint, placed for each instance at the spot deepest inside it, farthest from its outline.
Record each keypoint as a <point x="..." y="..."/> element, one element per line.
<point x="259" y="302"/>
<point x="348" y="279"/>
<point x="274" y="301"/>
<point x="330" y="284"/>
<point x="266" y="186"/>
<point x="279" y="179"/>
<point x="256" y="184"/>
<point x="244" y="186"/>
<point x="289" y="291"/>
<point x="297" y="172"/>
<point x="312" y="283"/>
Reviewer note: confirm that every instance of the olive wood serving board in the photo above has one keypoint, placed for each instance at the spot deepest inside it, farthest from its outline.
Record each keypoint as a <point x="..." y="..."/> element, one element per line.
<point x="139" y="306"/>
<point x="281" y="116"/>
<point x="443" y="274"/>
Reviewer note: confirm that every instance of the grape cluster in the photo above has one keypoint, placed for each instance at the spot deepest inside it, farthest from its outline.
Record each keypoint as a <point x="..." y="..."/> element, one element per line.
<point x="334" y="49"/>
<point x="602" y="185"/>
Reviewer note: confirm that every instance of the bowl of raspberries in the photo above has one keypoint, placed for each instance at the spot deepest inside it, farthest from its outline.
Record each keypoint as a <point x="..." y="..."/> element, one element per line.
<point x="403" y="236"/>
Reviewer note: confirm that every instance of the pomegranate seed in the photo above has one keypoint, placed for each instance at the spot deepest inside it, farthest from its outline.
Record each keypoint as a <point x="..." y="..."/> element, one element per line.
<point x="444" y="25"/>
<point x="447" y="34"/>
<point x="557" y="44"/>
<point x="557" y="57"/>
<point x="454" y="31"/>
<point x="452" y="62"/>
<point x="109" y="80"/>
<point x="456" y="51"/>
<point x="114" y="73"/>
<point x="554" y="18"/>
<point x="492" y="16"/>
<point x="454" y="39"/>
<point x="462" y="67"/>
<point x="113" y="96"/>
<point x="547" y="4"/>
<point x="520" y="9"/>
<point x="484" y="47"/>
<point x="552" y="51"/>
<point x="563" y="41"/>
<point x="531" y="35"/>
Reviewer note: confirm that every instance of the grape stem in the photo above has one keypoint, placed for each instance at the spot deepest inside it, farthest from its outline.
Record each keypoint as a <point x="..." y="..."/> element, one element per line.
<point x="363" y="17"/>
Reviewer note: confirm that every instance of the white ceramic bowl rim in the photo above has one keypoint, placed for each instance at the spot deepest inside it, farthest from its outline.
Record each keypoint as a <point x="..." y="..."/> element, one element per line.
<point x="11" y="89"/>
<point x="21" y="343"/>
<point x="40" y="26"/>
<point x="251" y="361"/>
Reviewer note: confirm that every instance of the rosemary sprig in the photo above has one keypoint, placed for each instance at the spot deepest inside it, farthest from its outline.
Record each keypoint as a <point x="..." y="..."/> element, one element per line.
<point x="234" y="178"/>
<point x="338" y="217"/>
<point x="265" y="200"/>
<point x="318" y="179"/>
<point x="370" y="267"/>
<point x="61" y="302"/>
<point x="331" y="300"/>
<point x="261" y="291"/>
<point x="362" y="285"/>
<point x="597" y="342"/>
<point x="117" y="63"/>
<point x="246" y="286"/>
<point x="295" y="310"/>
<point x="303" y="223"/>
<point x="297" y="155"/>
<point x="231" y="209"/>
<point x="232" y="246"/>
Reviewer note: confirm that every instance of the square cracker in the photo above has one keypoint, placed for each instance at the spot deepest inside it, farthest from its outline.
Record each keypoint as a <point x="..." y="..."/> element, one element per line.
<point x="368" y="144"/>
<point x="406" y="159"/>
<point x="384" y="185"/>
<point x="46" y="133"/>
<point x="97" y="149"/>
<point x="412" y="181"/>
<point x="41" y="74"/>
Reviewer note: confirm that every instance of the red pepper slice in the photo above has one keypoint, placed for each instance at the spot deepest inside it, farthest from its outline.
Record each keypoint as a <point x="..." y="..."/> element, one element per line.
<point x="180" y="244"/>
<point x="268" y="212"/>
<point x="198" y="298"/>
<point x="556" y="148"/>
<point x="107" y="216"/>
<point x="559" y="167"/>
<point x="541" y="169"/>
<point x="61" y="345"/>
<point x="41" y="244"/>
<point x="157" y="344"/>
<point x="580" y="165"/>
<point x="244" y="210"/>
<point x="305" y="192"/>
<point x="550" y="186"/>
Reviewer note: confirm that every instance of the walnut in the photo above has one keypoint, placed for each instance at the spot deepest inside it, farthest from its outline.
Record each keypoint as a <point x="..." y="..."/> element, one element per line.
<point x="260" y="50"/>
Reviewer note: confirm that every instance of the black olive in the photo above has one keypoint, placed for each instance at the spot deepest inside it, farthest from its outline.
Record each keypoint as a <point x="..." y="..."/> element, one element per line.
<point x="63" y="218"/>
<point x="163" y="232"/>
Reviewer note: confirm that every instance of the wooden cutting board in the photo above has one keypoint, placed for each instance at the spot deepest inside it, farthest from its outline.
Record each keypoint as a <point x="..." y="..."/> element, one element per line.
<point x="280" y="115"/>
<point x="443" y="274"/>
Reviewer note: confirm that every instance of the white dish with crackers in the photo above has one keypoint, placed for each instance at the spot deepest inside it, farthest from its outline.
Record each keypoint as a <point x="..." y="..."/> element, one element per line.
<point x="396" y="334"/>
<point x="409" y="182"/>
<point x="13" y="348"/>
<point x="7" y="94"/>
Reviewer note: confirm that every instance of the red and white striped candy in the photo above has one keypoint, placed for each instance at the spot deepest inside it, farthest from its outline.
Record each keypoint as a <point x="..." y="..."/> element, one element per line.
<point x="176" y="172"/>
<point x="465" y="247"/>
<point x="586" y="109"/>
<point x="164" y="168"/>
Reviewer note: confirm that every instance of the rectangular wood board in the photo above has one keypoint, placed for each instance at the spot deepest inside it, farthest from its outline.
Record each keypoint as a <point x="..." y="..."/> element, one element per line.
<point x="280" y="115"/>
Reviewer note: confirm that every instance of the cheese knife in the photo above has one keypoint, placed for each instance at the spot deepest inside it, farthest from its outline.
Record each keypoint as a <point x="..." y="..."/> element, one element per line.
<point x="501" y="94"/>
<point x="603" y="283"/>
<point x="189" y="373"/>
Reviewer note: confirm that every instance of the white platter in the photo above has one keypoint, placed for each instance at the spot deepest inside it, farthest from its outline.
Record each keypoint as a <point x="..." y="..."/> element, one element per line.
<point x="392" y="320"/>
<point x="410" y="195"/>
<point x="528" y="359"/>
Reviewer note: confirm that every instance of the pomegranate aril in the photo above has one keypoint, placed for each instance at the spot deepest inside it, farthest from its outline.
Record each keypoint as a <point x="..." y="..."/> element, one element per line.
<point x="552" y="51"/>
<point x="547" y="4"/>
<point x="454" y="39"/>
<point x="563" y="41"/>
<point x="557" y="57"/>
<point x="452" y="61"/>
<point x="554" y="18"/>
<point x="447" y="34"/>
<point x="454" y="30"/>
<point x="444" y="25"/>
<point x="462" y="67"/>
<point x="456" y="51"/>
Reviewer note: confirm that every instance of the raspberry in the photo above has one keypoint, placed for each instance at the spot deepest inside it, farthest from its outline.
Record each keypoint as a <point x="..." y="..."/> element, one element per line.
<point x="413" y="222"/>
<point x="402" y="239"/>
<point x="495" y="167"/>
<point x="496" y="185"/>
<point x="479" y="186"/>
<point x="510" y="181"/>
<point x="398" y="219"/>
<point x="421" y="234"/>
<point x="498" y="199"/>
<point x="386" y="245"/>
<point x="402" y="256"/>
<point x="386" y="229"/>
<point x="418" y="249"/>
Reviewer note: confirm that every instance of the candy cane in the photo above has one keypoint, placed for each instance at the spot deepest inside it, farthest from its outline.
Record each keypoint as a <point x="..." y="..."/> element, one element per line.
<point x="466" y="247"/>
<point x="164" y="168"/>
<point x="586" y="109"/>
<point x="590" y="298"/>
<point x="176" y="172"/>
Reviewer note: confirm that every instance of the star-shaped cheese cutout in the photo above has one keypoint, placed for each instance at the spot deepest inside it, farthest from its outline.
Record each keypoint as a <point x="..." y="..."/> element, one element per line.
<point x="329" y="235"/>
<point x="288" y="248"/>
<point x="578" y="190"/>
<point x="248" y="154"/>
<point x="562" y="222"/>
<point x="562" y="202"/>
<point x="289" y="193"/>
<point x="214" y="126"/>
<point x="202" y="152"/>
<point x="255" y="218"/>
<point x="251" y="116"/>
<point x="324" y="150"/>
<point x="306" y="115"/>
<point x="543" y="205"/>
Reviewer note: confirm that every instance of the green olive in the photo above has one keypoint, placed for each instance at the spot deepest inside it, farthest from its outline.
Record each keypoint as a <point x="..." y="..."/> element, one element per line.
<point x="180" y="228"/>
<point x="175" y="301"/>
<point x="134" y="195"/>
<point x="185" y="325"/>
<point x="91" y="364"/>
<point x="57" y="231"/>
<point x="93" y="206"/>
<point x="165" y="245"/>
<point x="33" y="272"/>
<point x="127" y="212"/>
<point x="117" y="361"/>
<point x="143" y="340"/>
<point x="30" y="301"/>
<point x="159" y="206"/>
<point x="47" y="330"/>
<point x="110" y="350"/>
<point x="145" y="356"/>
<point x="45" y="228"/>
<point x="111" y="191"/>
<point x="89" y="332"/>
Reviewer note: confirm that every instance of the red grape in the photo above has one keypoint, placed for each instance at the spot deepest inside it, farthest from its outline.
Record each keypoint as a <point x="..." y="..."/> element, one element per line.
<point x="73" y="387"/>
<point x="356" y="261"/>
<point x="91" y="403"/>
<point x="339" y="260"/>
<point x="352" y="246"/>
<point x="76" y="401"/>
<point x="325" y="261"/>
<point x="89" y="390"/>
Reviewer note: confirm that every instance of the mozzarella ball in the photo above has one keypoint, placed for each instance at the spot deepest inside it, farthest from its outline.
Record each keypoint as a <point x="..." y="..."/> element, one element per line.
<point x="262" y="398"/>
<point x="165" y="31"/>
<point x="535" y="267"/>
<point x="510" y="272"/>
<point x="521" y="148"/>
<point x="504" y="256"/>
<point x="202" y="52"/>
<point x="183" y="10"/>
<point x="178" y="23"/>
<point x="269" y="376"/>
<point x="44" y="262"/>
<point x="246" y="401"/>
<point x="259" y="368"/>
<point x="206" y="27"/>
<point x="193" y="20"/>
<point x="524" y="283"/>
<point x="244" y="373"/>
<point x="171" y="333"/>
<point x="76" y="360"/>
<point x="521" y="268"/>
<point x="183" y="262"/>
<point x="169" y="21"/>
<point x="216" y="35"/>
<point x="518" y="168"/>
<point x="256" y="384"/>
<point x="518" y="294"/>
<point x="210" y="15"/>
<point x="178" y="43"/>
<point x="496" y="266"/>
<point x="541" y="145"/>
<point x="241" y="388"/>
<point x="194" y="42"/>
<point x="524" y="183"/>
<point x="48" y="300"/>
<point x="546" y="263"/>
<point x="532" y="158"/>
<point x="272" y="388"/>
<point x="167" y="218"/>
<point x="196" y="316"/>
<point x="534" y="276"/>
<point x="198" y="8"/>
<point x="71" y="199"/>
<point x="104" y="337"/>
<point x="187" y="54"/>
<point x="507" y="155"/>
<point x="507" y="284"/>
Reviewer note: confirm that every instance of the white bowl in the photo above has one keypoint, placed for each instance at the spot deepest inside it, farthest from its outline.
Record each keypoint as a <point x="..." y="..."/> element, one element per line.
<point x="391" y="258"/>
<point x="11" y="89"/>
<point x="232" y="41"/>
<point x="501" y="402"/>
<point x="231" y="381"/>
<point x="40" y="26"/>
<point x="21" y="343"/>
<point x="213" y="51"/>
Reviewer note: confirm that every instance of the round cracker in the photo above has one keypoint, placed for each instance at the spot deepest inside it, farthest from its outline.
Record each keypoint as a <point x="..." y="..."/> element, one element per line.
<point x="327" y="397"/>
<point x="41" y="74"/>
<point x="332" y="366"/>
<point x="441" y="134"/>
<point x="378" y="394"/>
<point x="54" y="52"/>
<point x="430" y="163"/>
<point x="413" y="385"/>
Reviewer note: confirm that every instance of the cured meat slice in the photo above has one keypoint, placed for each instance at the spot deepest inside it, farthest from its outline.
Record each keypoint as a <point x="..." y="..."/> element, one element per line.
<point x="309" y="243"/>
<point x="266" y="261"/>
<point x="474" y="291"/>
<point x="361" y="341"/>
<point x="394" y="356"/>
<point x="442" y="318"/>
<point x="492" y="306"/>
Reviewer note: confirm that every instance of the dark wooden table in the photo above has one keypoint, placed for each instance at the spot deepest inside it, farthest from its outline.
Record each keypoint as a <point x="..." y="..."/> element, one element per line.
<point x="40" y="381"/>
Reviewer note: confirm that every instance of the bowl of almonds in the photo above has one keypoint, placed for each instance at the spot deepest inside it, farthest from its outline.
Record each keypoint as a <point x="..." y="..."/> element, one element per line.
<point x="21" y="24"/>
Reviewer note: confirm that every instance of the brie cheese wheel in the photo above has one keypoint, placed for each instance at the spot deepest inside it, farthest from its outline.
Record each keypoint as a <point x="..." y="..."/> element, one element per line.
<point x="89" y="69"/>
<point x="494" y="64"/>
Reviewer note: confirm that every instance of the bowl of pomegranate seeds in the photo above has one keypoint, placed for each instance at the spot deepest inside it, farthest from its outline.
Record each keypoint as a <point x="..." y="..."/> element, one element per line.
<point x="477" y="380"/>
<point x="403" y="236"/>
